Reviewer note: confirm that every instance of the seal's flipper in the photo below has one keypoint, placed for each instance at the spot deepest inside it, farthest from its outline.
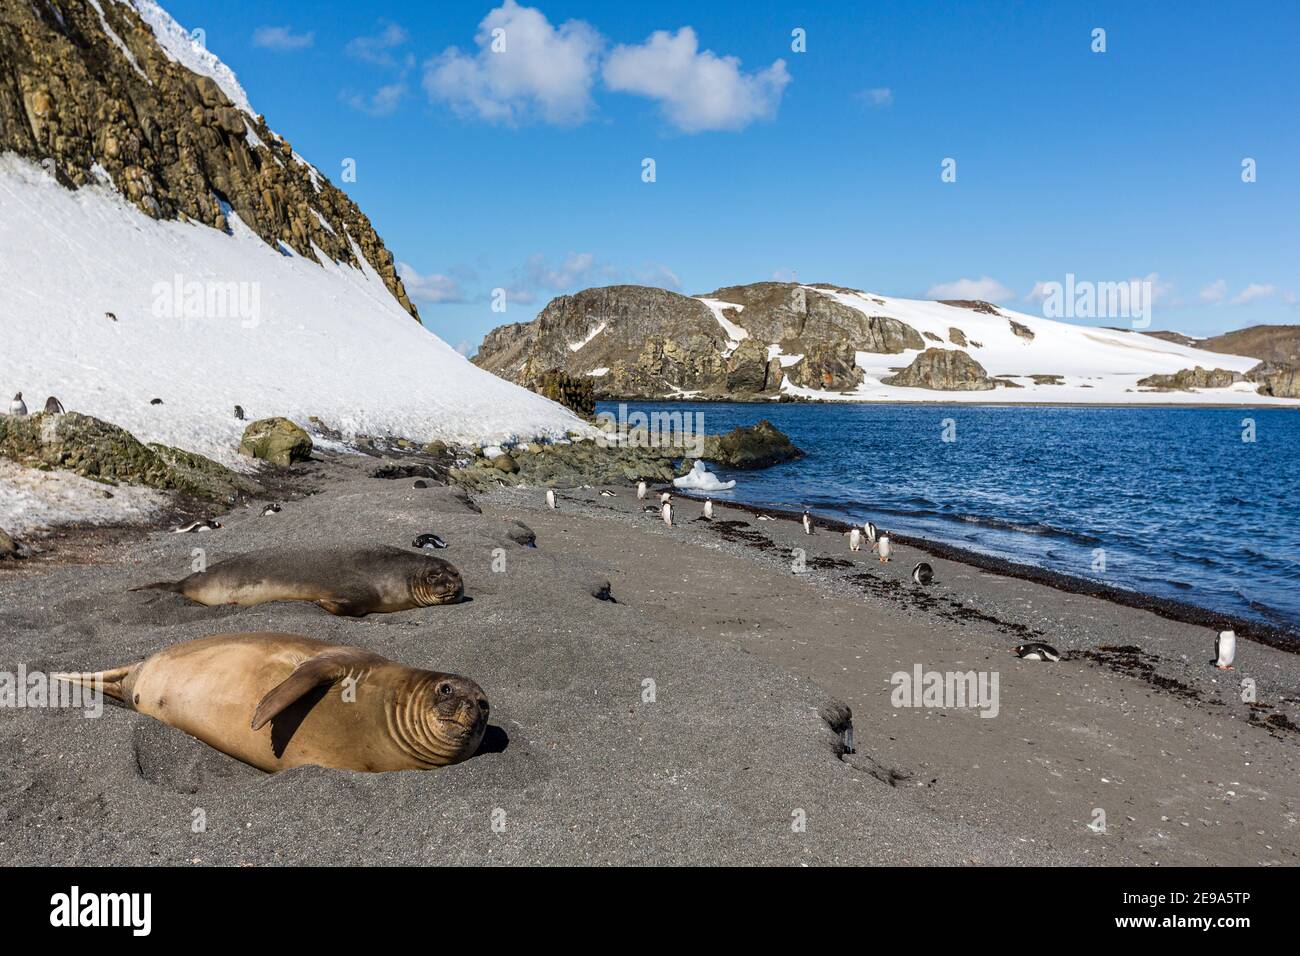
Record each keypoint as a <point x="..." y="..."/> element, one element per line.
<point x="174" y="586"/>
<point x="112" y="683"/>
<point x="321" y="671"/>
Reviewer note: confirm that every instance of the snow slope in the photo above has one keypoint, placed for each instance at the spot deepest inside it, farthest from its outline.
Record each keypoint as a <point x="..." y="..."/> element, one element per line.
<point x="326" y="340"/>
<point x="1098" y="366"/>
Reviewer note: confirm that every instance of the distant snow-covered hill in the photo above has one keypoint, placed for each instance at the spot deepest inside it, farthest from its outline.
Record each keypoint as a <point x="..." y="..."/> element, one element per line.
<point x="158" y="240"/>
<point x="824" y="342"/>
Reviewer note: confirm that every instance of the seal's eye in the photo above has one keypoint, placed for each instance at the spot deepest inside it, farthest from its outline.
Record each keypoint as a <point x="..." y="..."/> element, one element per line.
<point x="444" y="689"/>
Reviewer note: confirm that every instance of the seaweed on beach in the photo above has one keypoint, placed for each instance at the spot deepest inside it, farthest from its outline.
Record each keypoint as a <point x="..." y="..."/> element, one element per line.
<point x="740" y="532"/>
<point x="1271" y="722"/>
<point x="829" y="564"/>
<point x="1132" y="661"/>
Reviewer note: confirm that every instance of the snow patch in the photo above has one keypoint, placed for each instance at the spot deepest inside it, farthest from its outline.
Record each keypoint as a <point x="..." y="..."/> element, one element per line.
<point x="735" y="334"/>
<point x="32" y="500"/>
<point x="578" y="346"/>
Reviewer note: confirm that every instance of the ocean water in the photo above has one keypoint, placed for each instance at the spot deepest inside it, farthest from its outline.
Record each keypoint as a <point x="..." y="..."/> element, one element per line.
<point x="1172" y="500"/>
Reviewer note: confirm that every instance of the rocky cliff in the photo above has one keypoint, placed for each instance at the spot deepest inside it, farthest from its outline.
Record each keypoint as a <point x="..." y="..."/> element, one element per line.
<point x="114" y="91"/>
<point x="737" y="342"/>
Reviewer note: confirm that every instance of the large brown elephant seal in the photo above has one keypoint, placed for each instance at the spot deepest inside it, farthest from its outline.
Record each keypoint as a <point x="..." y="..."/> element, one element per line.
<point x="352" y="582"/>
<point x="283" y="700"/>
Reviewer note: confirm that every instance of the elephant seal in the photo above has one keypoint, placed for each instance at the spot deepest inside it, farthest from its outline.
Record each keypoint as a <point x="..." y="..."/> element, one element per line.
<point x="344" y="581"/>
<point x="277" y="701"/>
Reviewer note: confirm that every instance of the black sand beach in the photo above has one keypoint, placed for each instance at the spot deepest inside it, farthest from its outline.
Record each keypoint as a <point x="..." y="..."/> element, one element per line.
<point x="732" y="760"/>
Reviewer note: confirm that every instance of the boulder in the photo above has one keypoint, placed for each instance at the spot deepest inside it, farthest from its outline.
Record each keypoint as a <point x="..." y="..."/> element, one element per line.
<point x="946" y="370"/>
<point x="504" y="462"/>
<point x="1021" y="330"/>
<point x="9" y="548"/>
<point x="101" y="451"/>
<point x="751" y="446"/>
<point x="276" y="440"/>
<point x="1190" y="378"/>
<point x="747" y="368"/>
<point x="1276" y="379"/>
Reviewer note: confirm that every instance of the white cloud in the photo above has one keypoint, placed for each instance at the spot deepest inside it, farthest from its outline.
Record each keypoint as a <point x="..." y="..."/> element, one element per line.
<point x="989" y="290"/>
<point x="880" y="96"/>
<point x="697" y="90"/>
<point x="378" y="49"/>
<point x="1253" y="293"/>
<point x="383" y="102"/>
<point x="282" y="38"/>
<point x="542" y="70"/>
<point x="1215" y="291"/>
<point x="433" y="288"/>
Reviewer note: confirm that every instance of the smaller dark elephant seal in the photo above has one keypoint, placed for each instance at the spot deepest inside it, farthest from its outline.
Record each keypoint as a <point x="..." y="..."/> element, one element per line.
<point x="277" y="701"/>
<point x="351" y="582"/>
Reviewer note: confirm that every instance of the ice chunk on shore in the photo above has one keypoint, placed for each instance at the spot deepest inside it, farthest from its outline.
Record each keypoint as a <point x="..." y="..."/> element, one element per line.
<point x="699" y="478"/>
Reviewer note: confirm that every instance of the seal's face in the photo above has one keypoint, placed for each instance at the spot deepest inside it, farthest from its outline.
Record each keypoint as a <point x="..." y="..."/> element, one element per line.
<point x="437" y="582"/>
<point x="457" y="716"/>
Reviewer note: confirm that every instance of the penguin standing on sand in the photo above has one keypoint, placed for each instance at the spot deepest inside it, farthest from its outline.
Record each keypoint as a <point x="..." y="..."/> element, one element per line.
<point x="870" y="529"/>
<point x="855" y="539"/>
<point x="1225" y="650"/>
<point x="550" y="498"/>
<point x="18" y="406"/>
<point x="666" y="511"/>
<point x="640" y="491"/>
<point x="922" y="574"/>
<point x="1037" y="651"/>
<point x="882" y="545"/>
<point x="708" y="509"/>
<point x="807" y="522"/>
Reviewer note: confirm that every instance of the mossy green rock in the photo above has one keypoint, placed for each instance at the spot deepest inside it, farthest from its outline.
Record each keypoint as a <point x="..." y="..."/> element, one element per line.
<point x="101" y="451"/>
<point x="276" y="440"/>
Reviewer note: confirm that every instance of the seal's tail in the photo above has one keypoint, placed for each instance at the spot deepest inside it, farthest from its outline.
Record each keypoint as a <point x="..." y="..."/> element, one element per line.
<point x="160" y="586"/>
<point x="112" y="682"/>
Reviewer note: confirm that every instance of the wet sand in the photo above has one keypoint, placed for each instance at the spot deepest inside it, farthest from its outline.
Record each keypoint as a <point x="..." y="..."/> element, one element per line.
<point x="732" y="753"/>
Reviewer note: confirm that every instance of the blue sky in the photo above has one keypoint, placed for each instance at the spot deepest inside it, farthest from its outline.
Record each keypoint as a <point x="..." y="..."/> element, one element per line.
<point x="522" y="169"/>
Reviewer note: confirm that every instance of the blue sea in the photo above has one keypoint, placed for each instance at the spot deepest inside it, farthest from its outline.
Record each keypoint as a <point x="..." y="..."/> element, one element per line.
<point x="1174" y="501"/>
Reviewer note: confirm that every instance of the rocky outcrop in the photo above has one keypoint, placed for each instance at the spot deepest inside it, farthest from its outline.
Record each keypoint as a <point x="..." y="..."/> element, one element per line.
<point x="1277" y="380"/>
<point x="751" y="446"/>
<point x="957" y="337"/>
<point x="1191" y="378"/>
<point x="944" y="370"/>
<point x="86" y="87"/>
<point x="1021" y="330"/>
<point x="103" y="452"/>
<point x="639" y="342"/>
<point x="276" y="440"/>
<point x="975" y="305"/>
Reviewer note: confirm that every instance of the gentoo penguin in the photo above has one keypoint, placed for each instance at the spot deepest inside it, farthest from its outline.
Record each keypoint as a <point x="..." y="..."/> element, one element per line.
<point x="807" y="522"/>
<point x="765" y="518"/>
<point x="608" y="494"/>
<point x="665" y="498"/>
<point x="110" y="316"/>
<point x="870" y="529"/>
<point x="1037" y="651"/>
<point x="855" y="539"/>
<point x="155" y="401"/>
<point x="271" y="509"/>
<point x="708" y="509"/>
<point x="429" y="540"/>
<point x="207" y="524"/>
<point x="640" y="491"/>
<point x="420" y="483"/>
<point x="239" y="412"/>
<point x="923" y="573"/>
<point x="882" y="545"/>
<point x="53" y="406"/>
<point x="550" y="498"/>
<point x="1225" y="649"/>
<point x="18" y="406"/>
<point x="652" y="510"/>
<point x="666" y="510"/>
